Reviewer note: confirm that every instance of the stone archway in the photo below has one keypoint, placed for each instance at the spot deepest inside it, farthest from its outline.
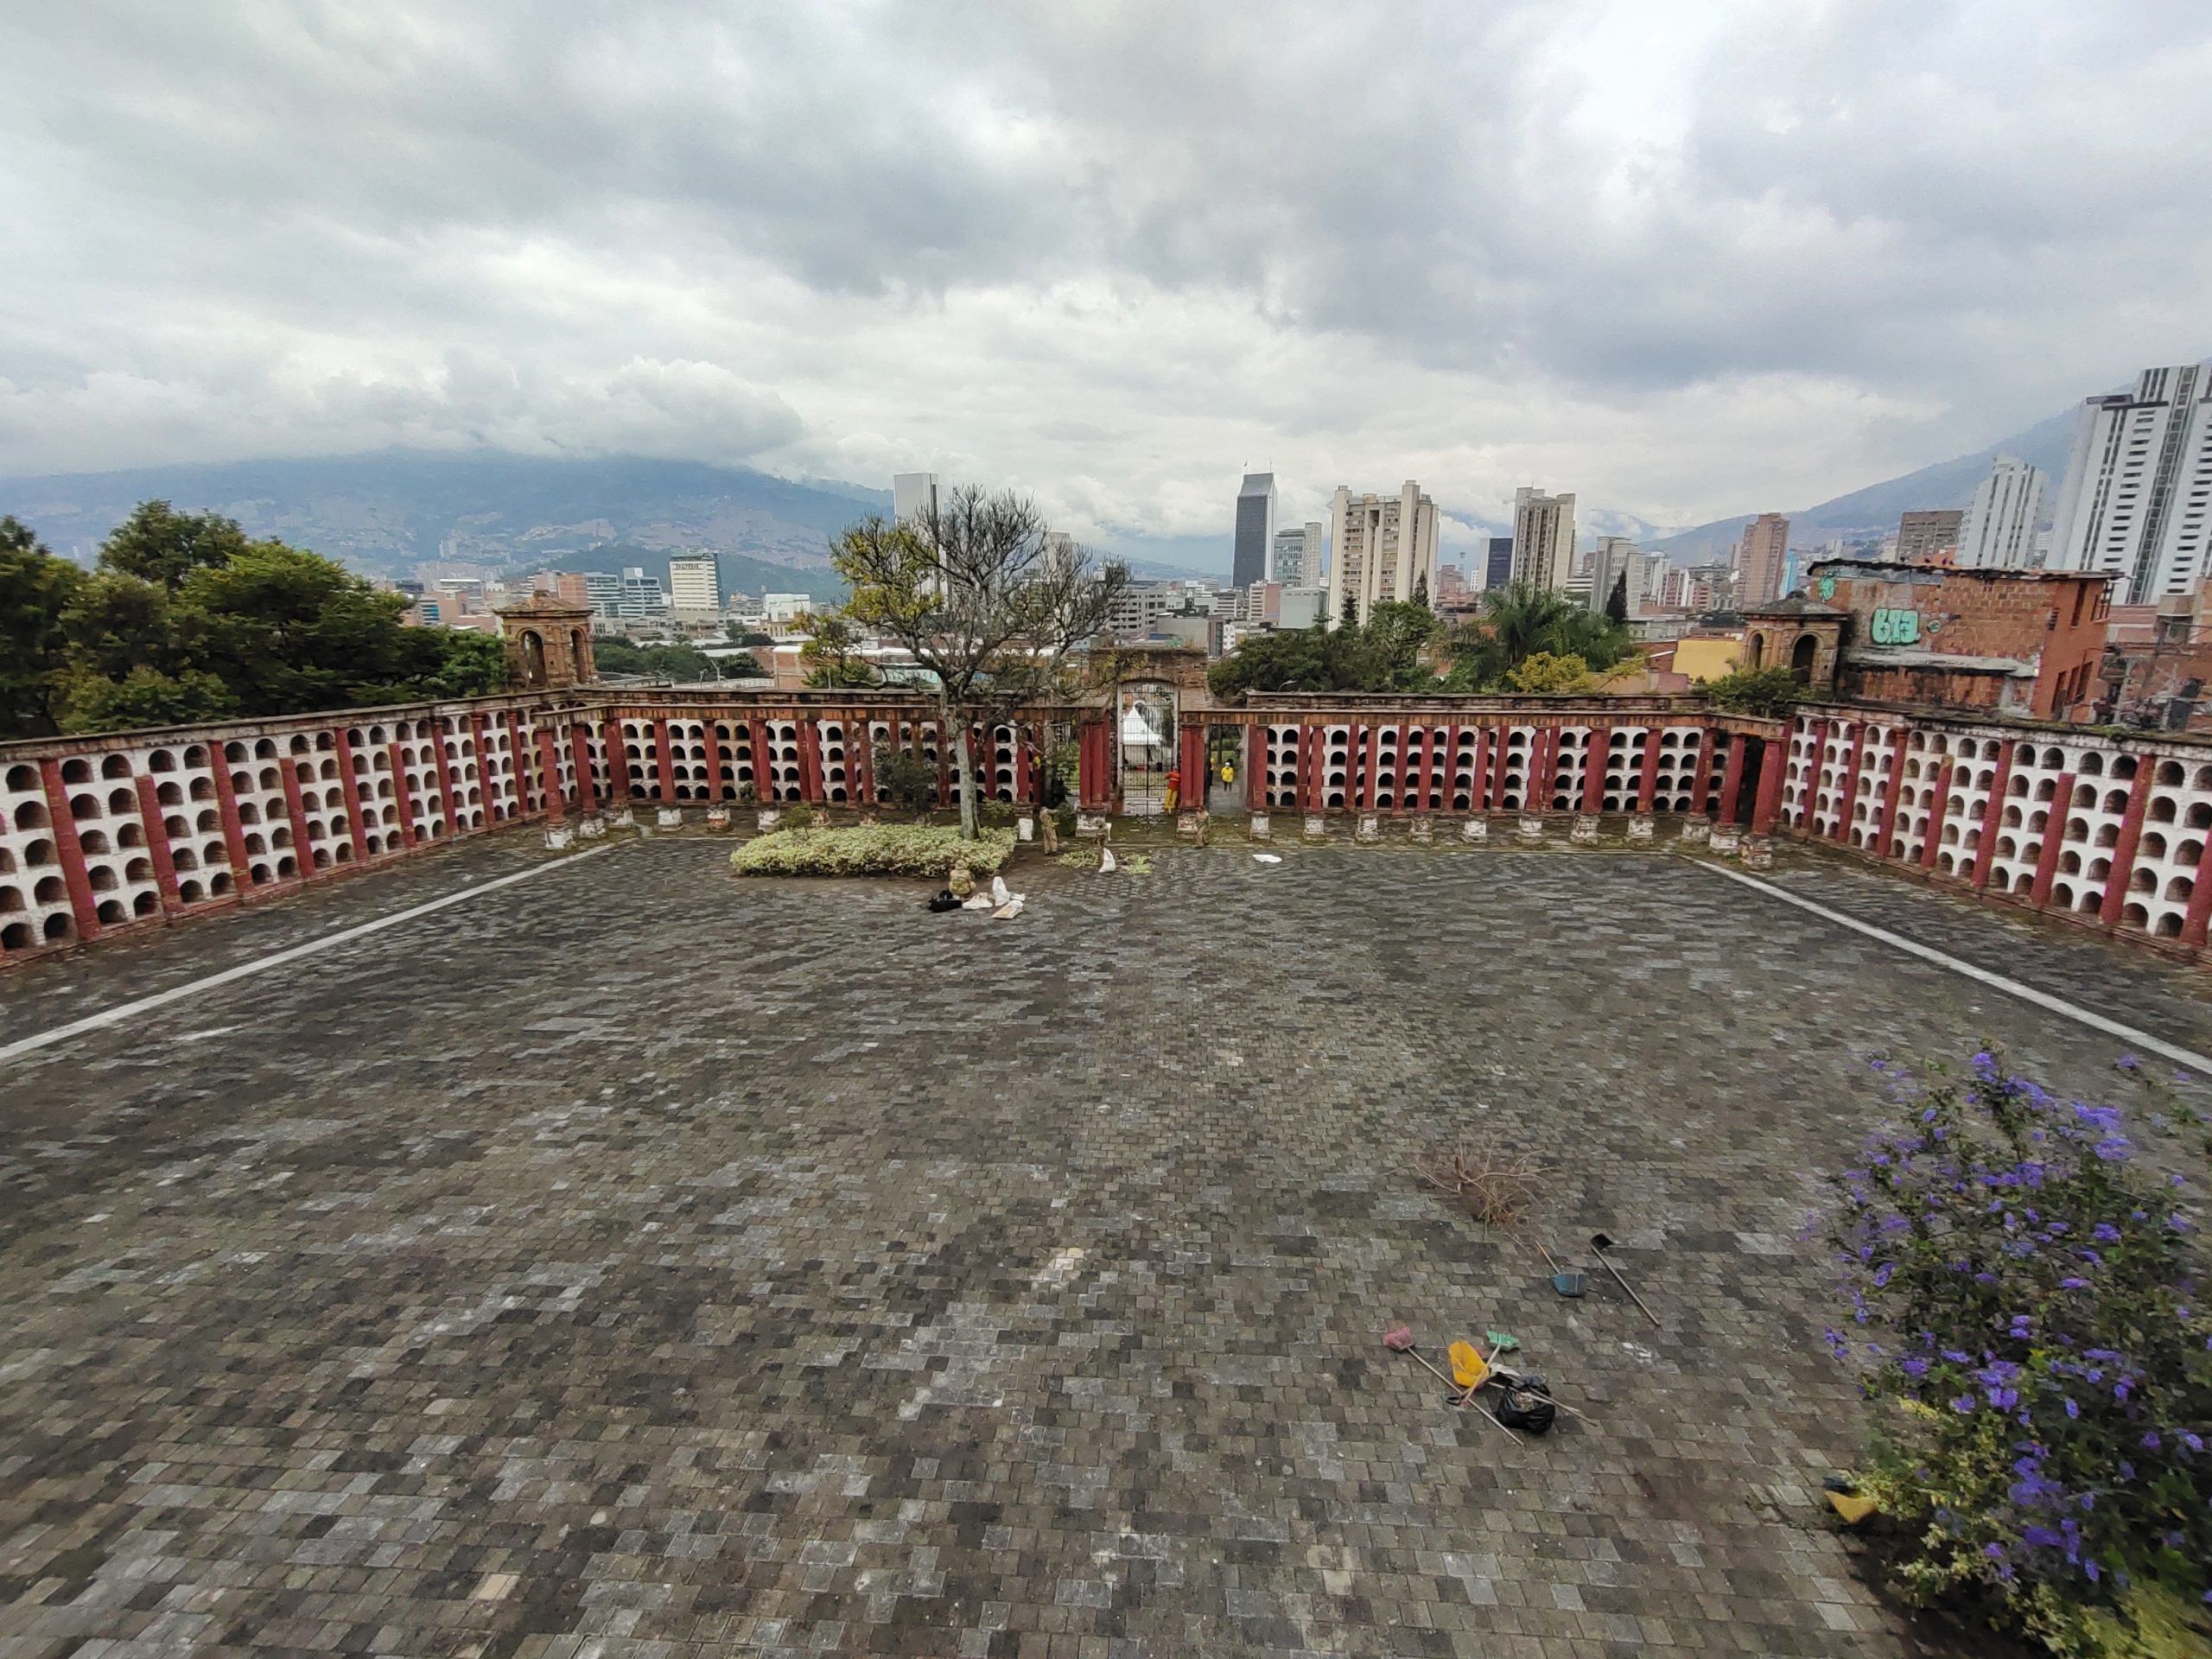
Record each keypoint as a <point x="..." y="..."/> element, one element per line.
<point x="1802" y="656"/>
<point x="533" y="659"/>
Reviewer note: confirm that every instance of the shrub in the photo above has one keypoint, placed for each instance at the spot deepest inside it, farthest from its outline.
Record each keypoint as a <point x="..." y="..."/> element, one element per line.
<point x="2025" y="1319"/>
<point x="1755" y="690"/>
<point x="873" y="849"/>
<point x="907" y="780"/>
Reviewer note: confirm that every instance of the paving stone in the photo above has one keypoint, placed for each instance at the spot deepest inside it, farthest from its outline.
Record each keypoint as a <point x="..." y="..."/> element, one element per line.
<point x="643" y="1262"/>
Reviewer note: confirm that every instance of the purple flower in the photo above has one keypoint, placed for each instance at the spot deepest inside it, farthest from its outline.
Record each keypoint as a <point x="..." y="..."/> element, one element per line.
<point x="1963" y="1404"/>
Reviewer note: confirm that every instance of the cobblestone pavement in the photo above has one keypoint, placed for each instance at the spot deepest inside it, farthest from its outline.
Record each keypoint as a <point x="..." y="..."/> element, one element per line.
<point x="637" y="1262"/>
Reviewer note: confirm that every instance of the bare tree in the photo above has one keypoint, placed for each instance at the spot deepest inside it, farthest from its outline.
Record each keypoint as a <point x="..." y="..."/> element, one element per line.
<point x="985" y="598"/>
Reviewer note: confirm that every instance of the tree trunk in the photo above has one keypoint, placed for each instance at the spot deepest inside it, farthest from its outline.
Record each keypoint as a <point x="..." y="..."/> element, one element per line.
<point x="964" y="769"/>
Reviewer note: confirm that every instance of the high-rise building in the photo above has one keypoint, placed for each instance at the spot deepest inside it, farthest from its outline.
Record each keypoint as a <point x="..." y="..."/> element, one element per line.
<point x="1999" y="529"/>
<point x="1497" y="567"/>
<point x="1761" y="557"/>
<point x="1929" y="536"/>
<point x="1256" y="528"/>
<point x="1616" y="562"/>
<point x="2138" y="493"/>
<point x="1297" y="556"/>
<point x="695" y="582"/>
<point x="1543" y="539"/>
<point x="1381" y="547"/>
<point x="913" y="495"/>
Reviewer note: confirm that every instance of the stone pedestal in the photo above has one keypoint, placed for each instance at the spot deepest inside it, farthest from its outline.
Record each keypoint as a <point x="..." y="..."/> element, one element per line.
<point x="1758" y="852"/>
<point x="718" y="818"/>
<point x="1317" y="826"/>
<point x="766" y="819"/>
<point x="1186" y="823"/>
<point x="1726" y="837"/>
<point x="1475" y="831"/>
<point x="1024" y="829"/>
<point x="559" y="837"/>
<point x="1532" y="829"/>
<point x="1260" y="829"/>
<point x="1696" y="831"/>
<point x="1583" y="832"/>
<point x="1424" y="830"/>
<point x="670" y="817"/>
<point x="1090" y="824"/>
<point x="591" y="826"/>
<point x="621" y="818"/>
<point x="1368" y="829"/>
<point x="1639" y="827"/>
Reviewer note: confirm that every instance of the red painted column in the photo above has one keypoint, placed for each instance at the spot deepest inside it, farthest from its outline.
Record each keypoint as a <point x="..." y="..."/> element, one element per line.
<point x="356" y="831"/>
<point x="1545" y="783"/>
<point x="664" y="760"/>
<point x="227" y="801"/>
<point x="1309" y="766"/>
<point x="763" y="786"/>
<point x="1885" y="826"/>
<point x="1448" y="797"/>
<point x="1597" y="756"/>
<point x="158" y="844"/>
<point x="1406" y="761"/>
<point x="1255" y="768"/>
<point x="1858" y="734"/>
<point x="714" y="737"/>
<point x="1428" y="801"/>
<point x="549" y="772"/>
<point x="1646" y="786"/>
<point x="580" y="753"/>
<point x="403" y="797"/>
<point x="517" y="763"/>
<point x="1817" y="759"/>
<point x="1366" y="746"/>
<point x="1701" y="773"/>
<point x="2054" y="836"/>
<point x="1494" y="799"/>
<point x="2131" y="832"/>
<point x="445" y="776"/>
<point x="71" y="851"/>
<point x="287" y="773"/>
<point x="1770" y="797"/>
<point x="1193" y="795"/>
<point x="1731" y="777"/>
<point x="617" y="758"/>
<point x="1993" y="815"/>
<point x="2199" y="918"/>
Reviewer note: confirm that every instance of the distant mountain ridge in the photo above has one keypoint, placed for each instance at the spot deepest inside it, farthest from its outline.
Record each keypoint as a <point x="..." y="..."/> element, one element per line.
<point x="1876" y="507"/>
<point x="388" y="511"/>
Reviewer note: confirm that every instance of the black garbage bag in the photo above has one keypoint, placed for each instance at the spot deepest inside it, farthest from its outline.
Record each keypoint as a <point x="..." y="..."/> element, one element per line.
<point x="1525" y="1403"/>
<point x="944" y="901"/>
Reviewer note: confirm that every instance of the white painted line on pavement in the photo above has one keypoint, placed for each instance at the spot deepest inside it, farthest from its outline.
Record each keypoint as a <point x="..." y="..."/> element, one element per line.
<point x="2129" y="1034"/>
<point x="125" y="1011"/>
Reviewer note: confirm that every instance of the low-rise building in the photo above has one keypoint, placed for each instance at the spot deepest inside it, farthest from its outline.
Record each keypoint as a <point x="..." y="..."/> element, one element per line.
<point x="2015" y="642"/>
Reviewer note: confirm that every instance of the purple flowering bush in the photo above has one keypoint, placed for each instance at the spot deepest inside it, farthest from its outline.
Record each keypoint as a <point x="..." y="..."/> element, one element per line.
<point x="2026" y="1318"/>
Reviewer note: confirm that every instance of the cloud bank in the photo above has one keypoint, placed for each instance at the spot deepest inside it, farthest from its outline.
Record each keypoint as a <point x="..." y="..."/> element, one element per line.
<point x="1687" y="260"/>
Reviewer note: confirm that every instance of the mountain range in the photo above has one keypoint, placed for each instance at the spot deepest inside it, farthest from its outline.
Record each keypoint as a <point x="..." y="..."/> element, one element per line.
<point x="392" y="512"/>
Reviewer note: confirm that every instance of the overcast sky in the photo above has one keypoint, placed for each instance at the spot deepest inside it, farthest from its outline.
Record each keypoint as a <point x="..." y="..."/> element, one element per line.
<point x="1686" y="259"/>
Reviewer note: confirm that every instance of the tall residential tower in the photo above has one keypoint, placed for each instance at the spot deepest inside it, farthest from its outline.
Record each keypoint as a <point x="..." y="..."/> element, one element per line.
<point x="2138" y="487"/>
<point x="1999" y="529"/>
<point x="1760" y="557"/>
<point x="1543" y="538"/>
<point x="1380" y="547"/>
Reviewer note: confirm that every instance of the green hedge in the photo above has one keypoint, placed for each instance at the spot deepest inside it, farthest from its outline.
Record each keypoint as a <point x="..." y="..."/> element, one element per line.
<point x="873" y="849"/>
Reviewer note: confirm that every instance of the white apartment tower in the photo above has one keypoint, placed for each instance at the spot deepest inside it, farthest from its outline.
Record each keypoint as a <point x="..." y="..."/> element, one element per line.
<point x="1382" y="547"/>
<point x="2138" y="487"/>
<point x="913" y="495"/>
<point x="695" y="582"/>
<point x="1543" y="538"/>
<point x="1295" y="559"/>
<point x="1998" y="531"/>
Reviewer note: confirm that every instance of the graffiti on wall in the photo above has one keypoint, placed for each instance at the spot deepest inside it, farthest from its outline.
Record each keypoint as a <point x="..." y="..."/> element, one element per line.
<point x="1890" y="627"/>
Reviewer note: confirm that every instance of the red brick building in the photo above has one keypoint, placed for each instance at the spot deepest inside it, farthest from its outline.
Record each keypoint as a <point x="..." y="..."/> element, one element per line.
<point x="2026" y="642"/>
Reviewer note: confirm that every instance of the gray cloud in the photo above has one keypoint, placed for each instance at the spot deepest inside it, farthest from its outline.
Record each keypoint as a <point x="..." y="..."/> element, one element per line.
<point x="1686" y="259"/>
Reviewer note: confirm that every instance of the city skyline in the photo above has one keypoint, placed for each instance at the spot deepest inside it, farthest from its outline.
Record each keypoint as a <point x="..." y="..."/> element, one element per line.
<point x="991" y="274"/>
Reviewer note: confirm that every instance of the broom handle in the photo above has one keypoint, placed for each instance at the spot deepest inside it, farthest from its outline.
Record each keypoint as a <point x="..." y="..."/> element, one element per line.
<point x="1625" y="1285"/>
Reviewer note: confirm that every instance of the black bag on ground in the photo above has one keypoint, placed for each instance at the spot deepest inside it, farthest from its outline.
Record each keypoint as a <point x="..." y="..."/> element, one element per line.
<point x="1526" y="1404"/>
<point x="944" y="901"/>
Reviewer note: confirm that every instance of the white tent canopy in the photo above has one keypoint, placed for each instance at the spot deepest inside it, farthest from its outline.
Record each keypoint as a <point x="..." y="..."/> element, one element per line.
<point x="1138" y="733"/>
